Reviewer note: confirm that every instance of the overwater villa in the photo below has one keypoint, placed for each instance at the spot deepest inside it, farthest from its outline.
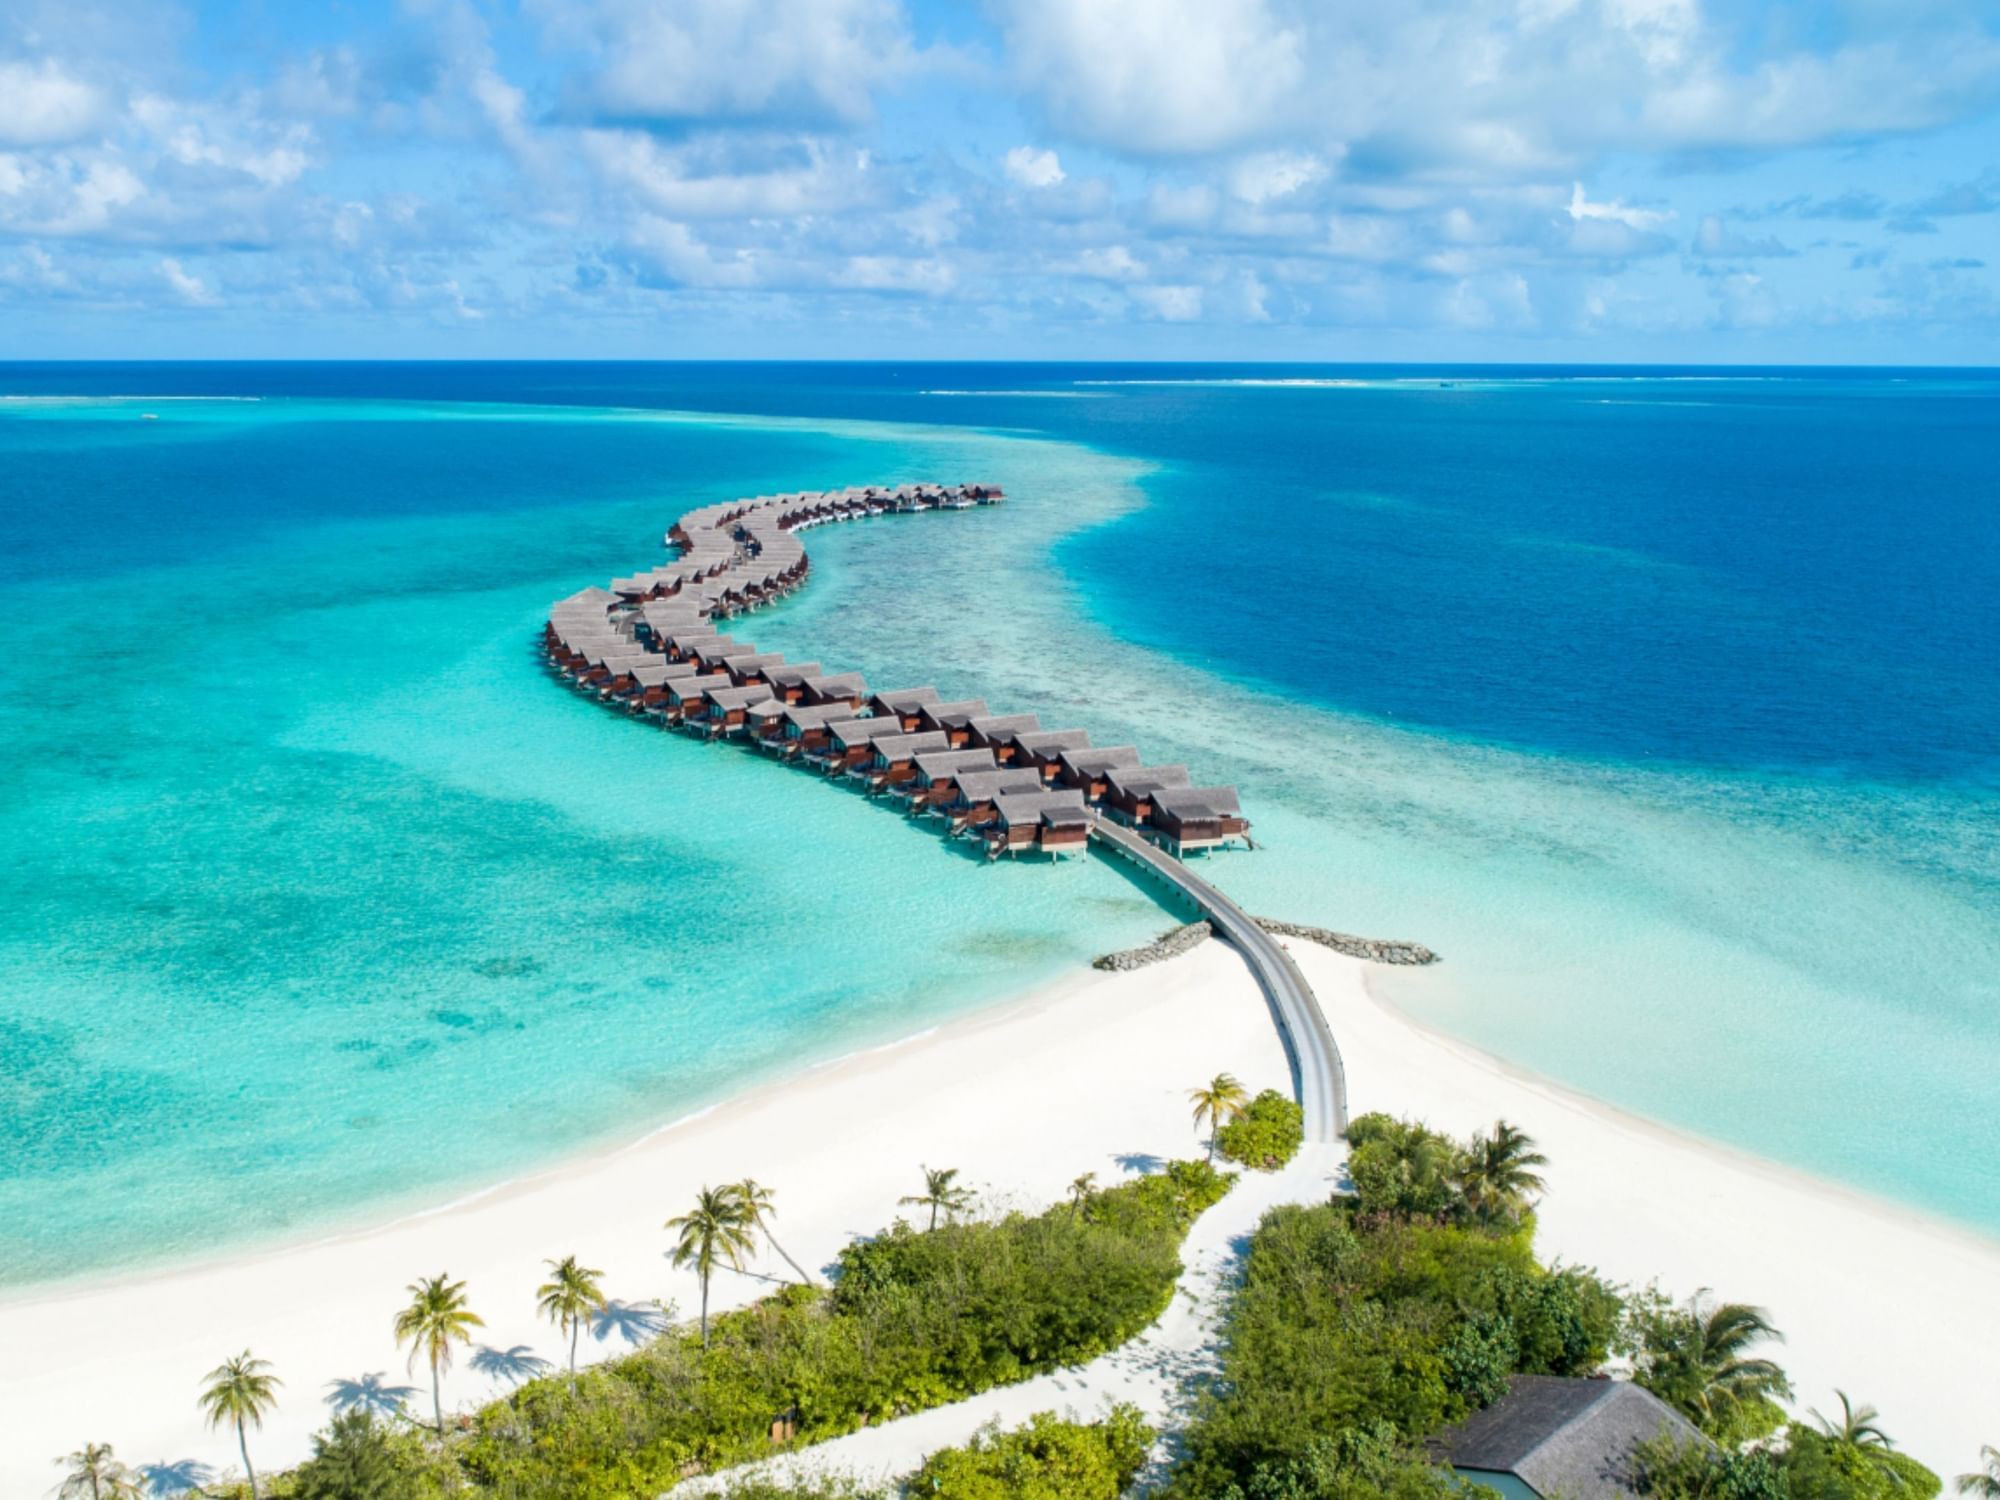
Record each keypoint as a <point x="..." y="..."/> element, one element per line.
<point x="1086" y="769"/>
<point x="1198" y="817"/>
<point x="651" y="643"/>
<point x="1056" y="822"/>
<point x="893" y="758"/>
<point x="935" y="781"/>
<point x="1128" y="790"/>
<point x="1043" y="749"/>
<point x="974" y="804"/>
<point x="905" y="705"/>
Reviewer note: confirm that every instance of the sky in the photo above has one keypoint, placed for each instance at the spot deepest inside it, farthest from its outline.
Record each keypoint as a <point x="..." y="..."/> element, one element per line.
<point x="1691" y="181"/>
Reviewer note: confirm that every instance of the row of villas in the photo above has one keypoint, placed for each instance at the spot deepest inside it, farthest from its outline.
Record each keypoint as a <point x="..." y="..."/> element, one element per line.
<point x="654" y="645"/>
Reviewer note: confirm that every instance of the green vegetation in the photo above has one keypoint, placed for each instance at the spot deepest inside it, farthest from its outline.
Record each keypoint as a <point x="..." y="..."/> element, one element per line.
<point x="1804" y="1462"/>
<point x="1218" y="1101"/>
<point x="237" y="1393"/>
<point x="758" y="1207"/>
<point x="1360" y="1464"/>
<point x="1696" y="1357"/>
<point x="914" y="1318"/>
<point x="570" y="1298"/>
<point x="1364" y="1326"/>
<point x="1365" y="1332"/>
<point x="1368" y="1324"/>
<point x="1409" y="1170"/>
<point x="715" y="1232"/>
<point x="436" y="1319"/>
<point x="1266" y="1134"/>
<point x="360" y="1458"/>
<point x="1045" y="1459"/>
<point x="1984" y="1482"/>
<point x="941" y="1194"/>
<point x="92" y="1473"/>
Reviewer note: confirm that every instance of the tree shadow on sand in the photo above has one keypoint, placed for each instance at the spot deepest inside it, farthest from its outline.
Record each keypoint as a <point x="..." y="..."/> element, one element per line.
<point x="189" y="1476"/>
<point x="633" y="1322"/>
<point x="511" y="1365"/>
<point x="369" y="1393"/>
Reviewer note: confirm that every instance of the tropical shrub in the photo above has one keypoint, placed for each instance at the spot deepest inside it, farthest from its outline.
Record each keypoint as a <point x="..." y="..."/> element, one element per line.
<point x="1360" y="1330"/>
<point x="1400" y="1167"/>
<point x="360" y="1458"/>
<point x="914" y="1319"/>
<point x="1803" y="1463"/>
<point x="1045" y="1459"/>
<point x="1355" y="1464"/>
<point x="1702" y="1358"/>
<point x="1266" y="1135"/>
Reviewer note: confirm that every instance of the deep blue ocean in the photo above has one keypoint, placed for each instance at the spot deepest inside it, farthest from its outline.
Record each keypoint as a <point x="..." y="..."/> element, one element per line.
<point x="1666" y="703"/>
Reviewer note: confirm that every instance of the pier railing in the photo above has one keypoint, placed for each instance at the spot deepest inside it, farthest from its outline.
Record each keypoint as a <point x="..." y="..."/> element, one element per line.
<point x="1318" y="1076"/>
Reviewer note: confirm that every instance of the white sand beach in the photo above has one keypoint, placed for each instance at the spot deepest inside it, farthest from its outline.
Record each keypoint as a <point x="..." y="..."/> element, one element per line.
<point x="1087" y="1075"/>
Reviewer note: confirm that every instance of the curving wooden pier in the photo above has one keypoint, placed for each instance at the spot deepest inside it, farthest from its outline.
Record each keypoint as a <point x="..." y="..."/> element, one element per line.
<point x="653" y="645"/>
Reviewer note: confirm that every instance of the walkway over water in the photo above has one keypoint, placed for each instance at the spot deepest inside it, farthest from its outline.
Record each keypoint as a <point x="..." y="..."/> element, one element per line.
<point x="1318" y="1076"/>
<point x="650" y="644"/>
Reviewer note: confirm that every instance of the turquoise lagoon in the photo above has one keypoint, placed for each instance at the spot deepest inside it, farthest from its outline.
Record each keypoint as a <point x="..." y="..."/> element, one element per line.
<point x="319" y="901"/>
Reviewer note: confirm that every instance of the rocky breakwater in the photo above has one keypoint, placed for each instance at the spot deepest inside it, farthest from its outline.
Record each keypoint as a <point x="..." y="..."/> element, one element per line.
<point x="1178" y="940"/>
<point x="1170" y="944"/>
<point x="1375" y="950"/>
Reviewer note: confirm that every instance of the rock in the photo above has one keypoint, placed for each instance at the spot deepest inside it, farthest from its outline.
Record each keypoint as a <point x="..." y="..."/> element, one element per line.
<point x="1169" y="945"/>
<point x="1375" y="950"/>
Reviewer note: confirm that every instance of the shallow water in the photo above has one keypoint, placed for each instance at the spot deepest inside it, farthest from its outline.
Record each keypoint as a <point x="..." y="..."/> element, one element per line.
<point x="318" y="898"/>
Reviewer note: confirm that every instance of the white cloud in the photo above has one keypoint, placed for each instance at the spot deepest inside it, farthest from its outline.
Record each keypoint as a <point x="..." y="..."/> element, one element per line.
<point x="272" y="153"/>
<point x="1156" y="76"/>
<point x="694" y="180"/>
<point x="1189" y="206"/>
<point x="41" y="105"/>
<point x="1580" y="207"/>
<point x="1714" y="237"/>
<point x="1274" y="174"/>
<point x="882" y="273"/>
<point x="1365" y="237"/>
<point x="1102" y="263"/>
<point x="673" y="249"/>
<point x="189" y="288"/>
<point x="1169" y="304"/>
<point x="813" y="62"/>
<point x="1033" y="169"/>
<point x="1452" y="88"/>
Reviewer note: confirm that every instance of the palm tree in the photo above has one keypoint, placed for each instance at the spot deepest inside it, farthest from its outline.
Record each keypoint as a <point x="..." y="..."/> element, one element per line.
<point x="1496" y="1173"/>
<point x="940" y="1192"/>
<point x="1984" y="1485"/>
<point x="436" y="1318"/>
<point x="91" y="1473"/>
<point x="1219" y="1103"/>
<point x="1857" y="1429"/>
<point x="1079" y="1192"/>
<point x="754" y="1199"/>
<point x="568" y="1299"/>
<point x="715" y="1233"/>
<point x="238" y="1393"/>
<point x="1698" y="1359"/>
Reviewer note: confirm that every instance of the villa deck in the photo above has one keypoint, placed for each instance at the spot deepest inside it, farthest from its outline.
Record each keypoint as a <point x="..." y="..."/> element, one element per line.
<point x="653" y="644"/>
